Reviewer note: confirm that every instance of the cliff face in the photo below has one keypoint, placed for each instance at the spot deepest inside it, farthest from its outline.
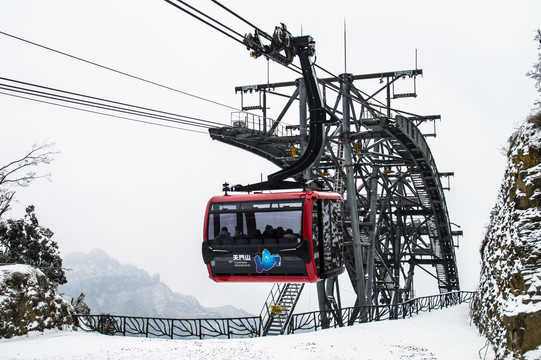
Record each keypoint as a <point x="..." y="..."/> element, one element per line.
<point x="507" y="308"/>
<point x="28" y="301"/>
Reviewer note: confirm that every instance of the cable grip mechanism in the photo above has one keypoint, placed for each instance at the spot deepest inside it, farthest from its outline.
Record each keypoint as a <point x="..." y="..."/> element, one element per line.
<point x="280" y="49"/>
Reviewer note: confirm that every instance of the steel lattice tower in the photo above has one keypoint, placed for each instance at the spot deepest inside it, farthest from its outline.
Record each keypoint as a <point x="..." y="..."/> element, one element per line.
<point x="395" y="213"/>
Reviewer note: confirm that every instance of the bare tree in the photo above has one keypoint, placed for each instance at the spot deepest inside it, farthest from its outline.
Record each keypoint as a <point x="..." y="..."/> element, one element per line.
<point x="19" y="173"/>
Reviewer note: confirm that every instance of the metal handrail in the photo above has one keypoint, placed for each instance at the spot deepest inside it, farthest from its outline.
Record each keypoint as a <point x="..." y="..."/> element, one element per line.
<point x="252" y="326"/>
<point x="312" y="321"/>
<point x="171" y="328"/>
<point x="246" y="120"/>
<point x="266" y="311"/>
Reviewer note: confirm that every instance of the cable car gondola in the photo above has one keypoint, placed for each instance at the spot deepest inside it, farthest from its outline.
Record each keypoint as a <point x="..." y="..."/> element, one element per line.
<point x="286" y="236"/>
<point x="273" y="237"/>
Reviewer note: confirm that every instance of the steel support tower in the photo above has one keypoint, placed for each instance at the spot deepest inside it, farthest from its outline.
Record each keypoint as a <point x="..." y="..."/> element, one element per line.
<point x="395" y="216"/>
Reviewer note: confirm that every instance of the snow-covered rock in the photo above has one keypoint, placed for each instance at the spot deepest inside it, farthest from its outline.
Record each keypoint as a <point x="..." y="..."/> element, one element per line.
<point x="28" y="301"/>
<point x="508" y="305"/>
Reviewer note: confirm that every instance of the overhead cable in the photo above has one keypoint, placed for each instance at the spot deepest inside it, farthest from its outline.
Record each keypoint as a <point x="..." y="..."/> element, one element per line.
<point x="229" y="32"/>
<point x="267" y="36"/>
<point x="118" y="71"/>
<point x="106" y="101"/>
<point x="202" y="20"/>
<point x="33" y="90"/>
<point x="210" y="18"/>
<point x="358" y="98"/>
<point x="102" y="113"/>
<point x="292" y="67"/>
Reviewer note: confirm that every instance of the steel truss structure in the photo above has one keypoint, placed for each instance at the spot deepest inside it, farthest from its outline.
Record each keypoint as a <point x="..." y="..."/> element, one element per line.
<point x="395" y="213"/>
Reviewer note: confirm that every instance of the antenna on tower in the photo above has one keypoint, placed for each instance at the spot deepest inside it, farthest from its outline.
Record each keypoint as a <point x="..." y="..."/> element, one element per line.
<point x="345" y="47"/>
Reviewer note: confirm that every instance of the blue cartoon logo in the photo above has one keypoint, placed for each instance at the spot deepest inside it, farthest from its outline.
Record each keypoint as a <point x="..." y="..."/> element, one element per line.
<point x="266" y="261"/>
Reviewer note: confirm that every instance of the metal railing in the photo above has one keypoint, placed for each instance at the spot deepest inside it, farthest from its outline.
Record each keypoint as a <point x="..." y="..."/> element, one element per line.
<point x="272" y="298"/>
<point x="246" y="120"/>
<point x="276" y="297"/>
<point x="252" y="326"/>
<point x="316" y="320"/>
<point x="170" y="328"/>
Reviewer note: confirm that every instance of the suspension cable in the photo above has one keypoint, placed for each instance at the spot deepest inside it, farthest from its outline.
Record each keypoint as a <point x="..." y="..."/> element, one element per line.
<point x="292" y="67"/>
<point x="239" y="37"/>
<point x="104" y="104"/>
<point x="194" y="121"/>
<point x="65" y="99"/>
<point x="267" y="36"/>
<point x="103" y="100"/>
<point x="102" y="113"/>
<point x="202" y="20"/>
<point x="117" y="71"/>
<point x="210" y="18"/>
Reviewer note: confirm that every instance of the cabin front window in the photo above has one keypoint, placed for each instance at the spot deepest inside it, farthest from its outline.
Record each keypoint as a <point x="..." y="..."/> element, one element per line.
<point x="253" y="222"/>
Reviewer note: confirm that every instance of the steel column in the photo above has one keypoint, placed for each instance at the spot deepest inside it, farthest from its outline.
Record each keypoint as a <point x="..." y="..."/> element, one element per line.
<point x="351" y="193"/>
<point x="372" y="232"/>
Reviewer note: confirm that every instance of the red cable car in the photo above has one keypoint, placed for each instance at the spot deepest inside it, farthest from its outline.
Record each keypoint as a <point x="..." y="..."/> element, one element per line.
<point x="273" y="237"/>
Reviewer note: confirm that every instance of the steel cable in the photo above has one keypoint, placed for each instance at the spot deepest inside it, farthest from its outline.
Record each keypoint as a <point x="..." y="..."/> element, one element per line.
<point x="101" y="113"/>
<point x="104" y="104"/>
<point x="117" y="71"/>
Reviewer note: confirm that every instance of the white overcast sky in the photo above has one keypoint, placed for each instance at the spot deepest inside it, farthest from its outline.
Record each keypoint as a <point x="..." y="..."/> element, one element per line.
<point x="139" y="191"/>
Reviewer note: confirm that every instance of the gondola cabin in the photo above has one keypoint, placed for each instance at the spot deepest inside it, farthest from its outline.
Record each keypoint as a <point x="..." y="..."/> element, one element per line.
<point x="273" y="237"/>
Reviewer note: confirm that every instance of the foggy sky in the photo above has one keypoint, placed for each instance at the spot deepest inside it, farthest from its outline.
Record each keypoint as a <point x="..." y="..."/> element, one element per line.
<point x="139" y="191"/>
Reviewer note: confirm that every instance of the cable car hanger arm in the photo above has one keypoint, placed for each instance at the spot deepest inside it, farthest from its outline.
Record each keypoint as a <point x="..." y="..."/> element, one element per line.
<point x="282" y="49"/>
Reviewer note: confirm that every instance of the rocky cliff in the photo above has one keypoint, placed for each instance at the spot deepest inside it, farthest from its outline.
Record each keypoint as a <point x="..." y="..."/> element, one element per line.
<point x="507" y="308"/>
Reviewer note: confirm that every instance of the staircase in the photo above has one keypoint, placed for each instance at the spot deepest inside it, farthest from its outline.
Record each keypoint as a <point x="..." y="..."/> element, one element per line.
<point x="279" y="307"/>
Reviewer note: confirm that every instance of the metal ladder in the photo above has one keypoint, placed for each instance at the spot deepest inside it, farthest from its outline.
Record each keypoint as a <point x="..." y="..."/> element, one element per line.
<point x="279" y="306"/>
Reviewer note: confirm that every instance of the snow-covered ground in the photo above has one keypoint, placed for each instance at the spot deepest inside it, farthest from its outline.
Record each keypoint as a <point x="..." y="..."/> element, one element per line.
<point x="441" y="334"/>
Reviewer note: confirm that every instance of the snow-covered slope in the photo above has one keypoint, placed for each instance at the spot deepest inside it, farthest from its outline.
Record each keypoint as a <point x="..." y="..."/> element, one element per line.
<point x="442" y="334"/>
<point x="123" y="289"/>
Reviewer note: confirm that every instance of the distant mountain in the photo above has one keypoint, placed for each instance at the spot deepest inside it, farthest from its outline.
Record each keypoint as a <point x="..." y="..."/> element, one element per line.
<point x="123" y="289"/>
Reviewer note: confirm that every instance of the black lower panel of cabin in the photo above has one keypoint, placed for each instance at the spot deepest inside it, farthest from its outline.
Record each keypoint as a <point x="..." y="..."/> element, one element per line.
<point x="257" y="260"/>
